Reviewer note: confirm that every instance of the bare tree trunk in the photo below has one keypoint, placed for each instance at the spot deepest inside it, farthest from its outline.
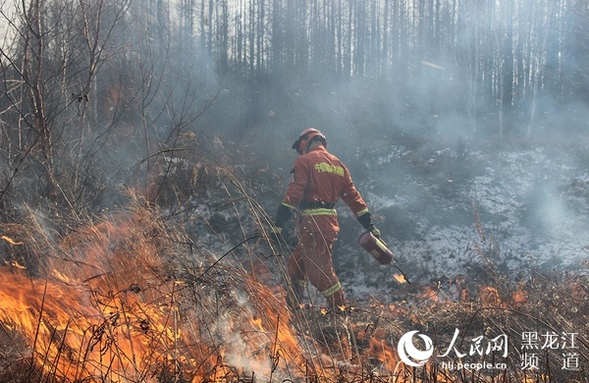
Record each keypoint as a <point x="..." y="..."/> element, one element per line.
<point x="35" y="69"/>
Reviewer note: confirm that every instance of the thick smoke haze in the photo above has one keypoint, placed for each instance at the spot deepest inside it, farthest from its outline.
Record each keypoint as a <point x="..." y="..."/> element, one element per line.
<point x="441" y="109"/>
<point x="145" y="147"/>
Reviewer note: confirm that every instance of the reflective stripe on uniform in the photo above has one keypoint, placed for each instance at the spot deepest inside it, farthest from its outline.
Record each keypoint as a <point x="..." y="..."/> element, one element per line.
<point x="319" y="211"/>
<point x="361" y="212"/>
<point x="332" y="290"/>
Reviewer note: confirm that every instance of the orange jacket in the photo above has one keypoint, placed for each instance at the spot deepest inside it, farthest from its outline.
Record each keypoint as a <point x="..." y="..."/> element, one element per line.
<point x="318" y="180"/>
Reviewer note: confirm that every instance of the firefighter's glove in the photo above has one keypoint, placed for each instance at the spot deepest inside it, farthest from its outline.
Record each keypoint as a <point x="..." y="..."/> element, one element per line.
<point x="365" y="220"/>
<point x="283" y="214"/>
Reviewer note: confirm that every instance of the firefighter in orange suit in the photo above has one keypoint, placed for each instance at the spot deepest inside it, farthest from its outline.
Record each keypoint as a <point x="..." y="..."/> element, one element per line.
<point x="317" y="181"/>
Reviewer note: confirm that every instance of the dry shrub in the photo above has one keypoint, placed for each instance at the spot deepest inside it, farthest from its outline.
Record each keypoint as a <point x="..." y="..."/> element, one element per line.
<point x="125" y="299"/>
<point x="130" y="297"/>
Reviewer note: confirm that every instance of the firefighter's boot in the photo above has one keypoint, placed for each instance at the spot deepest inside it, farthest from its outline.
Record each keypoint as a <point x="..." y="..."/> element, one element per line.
<point x="336" y="301"/>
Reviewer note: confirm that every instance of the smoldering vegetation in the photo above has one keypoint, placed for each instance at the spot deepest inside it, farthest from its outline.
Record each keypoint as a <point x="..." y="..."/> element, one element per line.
<point x="134" y="297"/>
<point x="145" y="146"/>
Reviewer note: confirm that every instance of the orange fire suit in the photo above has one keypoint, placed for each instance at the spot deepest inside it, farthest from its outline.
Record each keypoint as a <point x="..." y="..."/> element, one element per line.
<point x="318" y="180"/>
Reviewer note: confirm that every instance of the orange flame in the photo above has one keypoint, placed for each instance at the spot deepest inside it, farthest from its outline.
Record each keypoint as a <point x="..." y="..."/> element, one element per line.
<point x="118" y="303"/>
<point x="11" y="241"/>
<point x="400" y="278"/>
<point x="490" y="296"/>
<point x="384" y="353"/>
<point x="111" y="309"/>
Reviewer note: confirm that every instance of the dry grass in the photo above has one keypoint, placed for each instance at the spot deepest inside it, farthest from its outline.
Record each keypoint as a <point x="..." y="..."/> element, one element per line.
<point x="130" y="297"/>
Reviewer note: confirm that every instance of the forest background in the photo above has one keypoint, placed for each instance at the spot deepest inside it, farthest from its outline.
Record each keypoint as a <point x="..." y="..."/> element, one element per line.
<point x="443" y="110"/>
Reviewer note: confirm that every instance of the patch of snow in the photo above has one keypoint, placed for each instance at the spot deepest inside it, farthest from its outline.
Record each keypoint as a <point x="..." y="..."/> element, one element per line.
<point x="533" y="207"/>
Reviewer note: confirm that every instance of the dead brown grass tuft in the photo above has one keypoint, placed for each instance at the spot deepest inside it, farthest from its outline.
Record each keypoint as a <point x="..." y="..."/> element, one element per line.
<point x="130" y="297"/>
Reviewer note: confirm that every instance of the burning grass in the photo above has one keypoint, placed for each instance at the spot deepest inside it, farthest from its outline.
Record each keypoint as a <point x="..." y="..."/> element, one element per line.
<point x="132" y="298"/>
<point x="124" y="299"/>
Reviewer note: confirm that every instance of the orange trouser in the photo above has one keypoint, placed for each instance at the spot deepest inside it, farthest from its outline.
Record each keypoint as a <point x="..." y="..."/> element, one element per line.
<point x="311" y="260"/>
